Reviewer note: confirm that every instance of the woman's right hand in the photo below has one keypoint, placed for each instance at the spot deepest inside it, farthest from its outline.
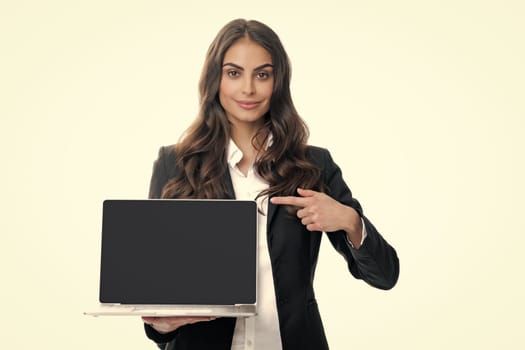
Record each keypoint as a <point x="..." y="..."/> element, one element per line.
<point x="169" y="324"/>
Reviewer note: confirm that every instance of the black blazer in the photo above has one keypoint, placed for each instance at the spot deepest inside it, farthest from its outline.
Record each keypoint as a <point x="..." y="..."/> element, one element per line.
<point x="293" y="255"/>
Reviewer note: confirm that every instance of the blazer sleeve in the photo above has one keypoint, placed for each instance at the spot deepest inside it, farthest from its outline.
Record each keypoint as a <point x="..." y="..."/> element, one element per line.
<point x="375" y="262"/>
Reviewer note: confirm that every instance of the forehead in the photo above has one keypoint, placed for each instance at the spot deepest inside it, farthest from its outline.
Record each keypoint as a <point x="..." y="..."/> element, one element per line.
<point x="247" y="53"/>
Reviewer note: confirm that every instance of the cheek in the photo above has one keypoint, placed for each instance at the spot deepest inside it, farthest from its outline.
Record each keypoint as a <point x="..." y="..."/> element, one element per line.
<point x="222" y="95"/>
<point x="268" y="91"/>
<point x="226" y="89"/>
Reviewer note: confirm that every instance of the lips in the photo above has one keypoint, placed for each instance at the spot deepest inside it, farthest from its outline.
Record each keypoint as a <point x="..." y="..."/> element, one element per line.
<point x="248" y="104"/>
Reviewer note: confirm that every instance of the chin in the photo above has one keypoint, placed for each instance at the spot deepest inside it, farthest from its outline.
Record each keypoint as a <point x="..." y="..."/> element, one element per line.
<point x="248" y="118"/>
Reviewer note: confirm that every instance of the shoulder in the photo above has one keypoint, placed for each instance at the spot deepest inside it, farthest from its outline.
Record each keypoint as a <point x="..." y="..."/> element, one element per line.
<point x="318" y="155"/>
<point x="167" y="159"/>
<point x="168" y="152"/>
<point x="322" y="159"/>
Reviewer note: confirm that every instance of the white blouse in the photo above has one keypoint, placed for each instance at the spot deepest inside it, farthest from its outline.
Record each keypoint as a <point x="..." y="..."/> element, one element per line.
<point x="260" y="332"/>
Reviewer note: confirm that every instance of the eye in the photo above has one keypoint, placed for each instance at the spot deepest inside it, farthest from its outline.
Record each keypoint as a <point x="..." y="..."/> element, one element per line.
<point x="233" y="73"/>
<point x="263" y="75"/>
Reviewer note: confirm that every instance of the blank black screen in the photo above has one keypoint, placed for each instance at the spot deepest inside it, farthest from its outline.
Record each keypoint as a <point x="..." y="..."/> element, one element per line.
<point x="178" y="252"/>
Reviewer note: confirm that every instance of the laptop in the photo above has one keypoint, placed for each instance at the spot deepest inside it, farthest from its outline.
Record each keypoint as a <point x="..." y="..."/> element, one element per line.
<point x="169" y="257"/>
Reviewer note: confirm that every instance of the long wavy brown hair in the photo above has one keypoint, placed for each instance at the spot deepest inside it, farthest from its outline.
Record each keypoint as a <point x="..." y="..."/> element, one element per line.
<point x="201" y="153"/>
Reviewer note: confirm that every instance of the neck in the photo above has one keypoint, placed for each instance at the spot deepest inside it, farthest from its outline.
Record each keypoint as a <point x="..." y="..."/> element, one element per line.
<point x="243" y="136"/>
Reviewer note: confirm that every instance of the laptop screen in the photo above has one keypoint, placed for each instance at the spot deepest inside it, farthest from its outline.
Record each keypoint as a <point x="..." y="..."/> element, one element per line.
<point x="201" y="252"/>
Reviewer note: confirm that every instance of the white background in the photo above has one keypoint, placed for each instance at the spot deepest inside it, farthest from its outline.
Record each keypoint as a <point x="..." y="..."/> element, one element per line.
<point x="420" y="102"/>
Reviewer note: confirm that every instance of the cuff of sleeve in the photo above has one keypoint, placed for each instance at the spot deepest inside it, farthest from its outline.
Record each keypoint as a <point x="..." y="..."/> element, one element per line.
<point x="157" y="337"/>
<point x="363" y="235"/>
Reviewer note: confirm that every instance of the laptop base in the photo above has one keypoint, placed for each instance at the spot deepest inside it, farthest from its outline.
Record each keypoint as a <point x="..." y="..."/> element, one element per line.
<point x="170" y="310"/>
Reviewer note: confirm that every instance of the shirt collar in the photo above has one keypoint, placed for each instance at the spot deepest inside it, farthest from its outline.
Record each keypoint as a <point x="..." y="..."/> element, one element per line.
<point x="235" y="154"/>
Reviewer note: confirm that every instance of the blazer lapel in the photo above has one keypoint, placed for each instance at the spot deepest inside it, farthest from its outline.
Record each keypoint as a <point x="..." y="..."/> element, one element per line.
<point x="229" y="186"/>
<point x="271" y="212"/>
<point x="272" y="208"/>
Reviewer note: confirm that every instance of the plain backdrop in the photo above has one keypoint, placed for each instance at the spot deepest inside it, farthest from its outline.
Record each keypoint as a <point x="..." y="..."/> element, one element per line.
<point x="421" y="103"/>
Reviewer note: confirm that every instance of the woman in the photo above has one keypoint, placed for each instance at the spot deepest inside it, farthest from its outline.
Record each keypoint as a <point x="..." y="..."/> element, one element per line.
<point x="248" y="142"/>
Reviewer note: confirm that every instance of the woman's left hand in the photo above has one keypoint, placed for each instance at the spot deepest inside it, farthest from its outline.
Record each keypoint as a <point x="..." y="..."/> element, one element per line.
<point x="320" y="212"/>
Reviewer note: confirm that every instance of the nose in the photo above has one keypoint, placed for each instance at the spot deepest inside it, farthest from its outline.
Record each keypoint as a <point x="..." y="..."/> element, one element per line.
<point x="248" y="86"/>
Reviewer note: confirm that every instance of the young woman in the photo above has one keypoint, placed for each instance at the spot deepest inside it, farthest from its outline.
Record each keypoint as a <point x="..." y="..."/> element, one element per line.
<point x="248" y="142"/>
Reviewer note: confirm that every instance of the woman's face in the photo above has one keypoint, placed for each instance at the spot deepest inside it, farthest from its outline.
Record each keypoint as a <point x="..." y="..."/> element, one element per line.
<point x="246" y="83"/>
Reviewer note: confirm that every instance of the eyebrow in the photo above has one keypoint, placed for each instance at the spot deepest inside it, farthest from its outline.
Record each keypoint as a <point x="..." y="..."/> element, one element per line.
<point x="241" y="68"/>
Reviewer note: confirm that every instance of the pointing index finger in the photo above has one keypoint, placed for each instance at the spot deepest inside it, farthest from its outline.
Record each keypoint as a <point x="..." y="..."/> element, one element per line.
<point x="289" y="200"/>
